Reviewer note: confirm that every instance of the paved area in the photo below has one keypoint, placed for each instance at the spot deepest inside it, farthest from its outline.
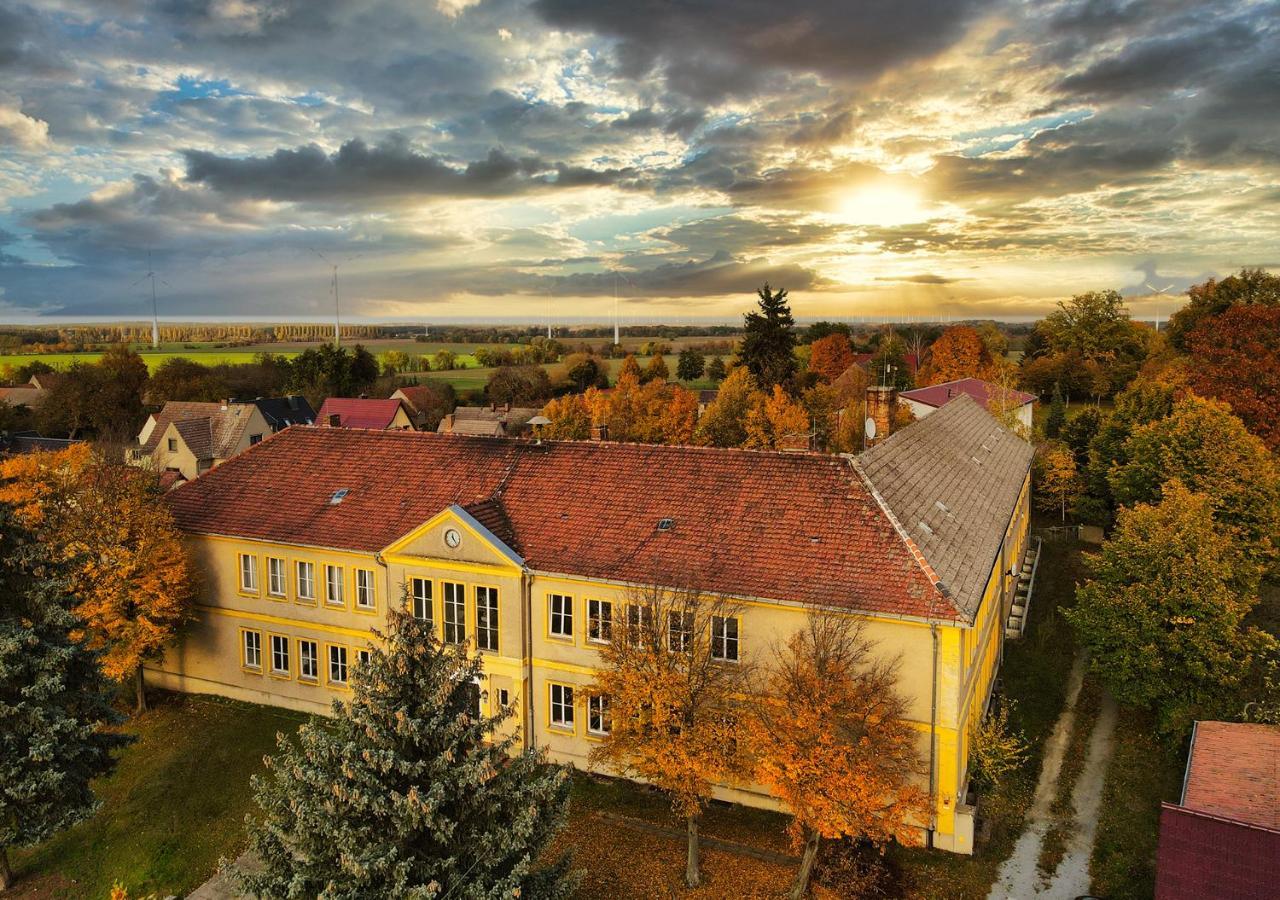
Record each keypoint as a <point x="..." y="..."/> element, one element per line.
<point x="1019" y="877"/>
<point x="222" y="886"/>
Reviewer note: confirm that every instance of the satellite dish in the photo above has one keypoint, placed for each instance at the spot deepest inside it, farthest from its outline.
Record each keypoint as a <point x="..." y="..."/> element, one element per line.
<point x="870" y="426"/>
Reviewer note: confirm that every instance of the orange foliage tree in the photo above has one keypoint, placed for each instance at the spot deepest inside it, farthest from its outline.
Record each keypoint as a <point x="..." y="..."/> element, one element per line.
<point x="1244" y="339"/>
<point x="130" y="573"/>
<point x="773" y="418"/>
<point x="959" y="353"/>
<point x="668" y="698"/>
<point x="830" y="356"/>
<point x="830" y="739"/>
<point x="653" y="413"/>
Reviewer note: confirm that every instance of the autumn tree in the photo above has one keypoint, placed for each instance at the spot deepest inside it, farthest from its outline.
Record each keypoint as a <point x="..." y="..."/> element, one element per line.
<point x="1249" y="287"/>
<point x="768" y="347"/>
<point x="54" y="699"/>
<point x="1162" y="615"/>
<point x="570" y="417"/>
<point x="410" y="790"/>
<point x="958" y="353"/>
<point x="127" y="568"/>
<point x="774" y="420"/>
<point x="518" y="385"/>
<point x="716" y="370"/>
<point x="669" y="683"/>
<point x="656" y="370"/>
<point x="690" y="365"/>
<point x="830" y="739"/>
<point x="830" y="356"/>
<point x="888" y="364"/>
<point x="1057" y="480"/>
<point x="724" y="423"/>
<point x="1237" y="360"/>
<point x="180" y="378"/>
<point x="630" y="367"/>
<point x="1206" y="447"/>
<point x="1092" y="347"/>
<point x="583" y="370"/>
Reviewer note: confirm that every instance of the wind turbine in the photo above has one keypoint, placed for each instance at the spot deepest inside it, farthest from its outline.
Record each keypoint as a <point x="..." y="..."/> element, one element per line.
<point x="337" y="312"/>
<point x="1159" y="292"/>
<point x="155" y="314"/>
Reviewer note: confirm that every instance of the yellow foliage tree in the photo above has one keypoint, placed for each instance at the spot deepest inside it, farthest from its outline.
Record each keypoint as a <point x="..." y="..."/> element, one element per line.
<point x="131" y="575"/>
<point x="570" y="417"/>
<point x="959" y="353"/>
<point x="724" y="422"/>
<point x="671" y="697"/>
<point x="830" y="739"/>
<point x="773" y="418"/>
<point x="1057" y="480"/>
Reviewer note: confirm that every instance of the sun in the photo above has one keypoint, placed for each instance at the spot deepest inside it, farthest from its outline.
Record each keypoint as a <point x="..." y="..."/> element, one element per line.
<point x="882" y="204"/>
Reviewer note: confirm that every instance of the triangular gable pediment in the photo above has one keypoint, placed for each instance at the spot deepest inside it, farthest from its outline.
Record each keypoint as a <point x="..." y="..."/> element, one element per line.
<point x="475" y="543"/>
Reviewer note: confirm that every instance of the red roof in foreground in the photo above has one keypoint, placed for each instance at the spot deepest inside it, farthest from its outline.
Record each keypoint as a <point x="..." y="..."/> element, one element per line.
<point x="982" y="391"/>
<point x="359" y="412"/>
<point x="787" y="526"/>
<point x="1234" y="772"/>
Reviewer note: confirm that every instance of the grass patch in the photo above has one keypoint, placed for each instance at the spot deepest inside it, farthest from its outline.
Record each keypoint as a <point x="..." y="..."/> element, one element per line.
<point x="1063" y="810"/>
<point x="1143" y="772"/>
<point x="175" y="804"/>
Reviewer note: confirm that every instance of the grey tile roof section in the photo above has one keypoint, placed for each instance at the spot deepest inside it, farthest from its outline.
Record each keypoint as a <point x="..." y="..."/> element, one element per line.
<point x="952" y="480"/>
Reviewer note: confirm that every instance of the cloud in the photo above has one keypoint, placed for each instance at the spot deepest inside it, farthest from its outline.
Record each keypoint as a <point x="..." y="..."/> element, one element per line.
<point x="924" y="278"/>
<point x="20" y="131"/>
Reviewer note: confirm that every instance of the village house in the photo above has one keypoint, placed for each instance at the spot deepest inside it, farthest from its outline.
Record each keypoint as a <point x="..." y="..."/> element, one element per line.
<point x="422" y="402"/>
<point x="527" y="551"/>
<point x="1222" y="839"/>
<point x="281" y="412"/>
<point x="495" y="420"/>
<point x="364" y="412"/>
<point x="33" y="393"/>
<point x="186" y="439"/>
<point x="995" y="398"/>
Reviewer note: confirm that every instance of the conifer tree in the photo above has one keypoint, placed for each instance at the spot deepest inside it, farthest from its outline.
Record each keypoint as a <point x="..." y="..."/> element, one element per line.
<point x="54" y="700"/>
<point x="768" y="347"/>
<point x="1057" y="417"/>
<point x="410" y="791"/>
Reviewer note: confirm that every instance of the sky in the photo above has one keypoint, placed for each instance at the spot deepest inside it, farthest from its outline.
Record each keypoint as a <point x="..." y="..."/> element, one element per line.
<point x="462" y="160"/>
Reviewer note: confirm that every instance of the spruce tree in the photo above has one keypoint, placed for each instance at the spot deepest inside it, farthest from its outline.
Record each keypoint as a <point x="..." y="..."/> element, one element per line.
<point x="408" y="791"/>
<point x="1057" y="416"/>
<point x="768" y="347"/>
<point x="54" y="700"/>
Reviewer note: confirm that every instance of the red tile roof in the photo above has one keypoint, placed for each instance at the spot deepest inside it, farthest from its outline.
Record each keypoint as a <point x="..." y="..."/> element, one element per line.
<point x="359" y="412"/>
<point x="1234" y="772"/>
<point x="982" y="391"/>
<point x="786" y="526"/>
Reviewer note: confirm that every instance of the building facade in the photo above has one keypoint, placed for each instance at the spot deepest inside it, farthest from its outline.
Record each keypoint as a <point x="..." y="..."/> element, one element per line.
<point x="187" y="439"/>
<point x="529" y="553"/>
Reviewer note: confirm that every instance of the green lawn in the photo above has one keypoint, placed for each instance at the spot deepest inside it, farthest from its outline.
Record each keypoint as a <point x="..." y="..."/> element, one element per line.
<point x="175" y="804"/>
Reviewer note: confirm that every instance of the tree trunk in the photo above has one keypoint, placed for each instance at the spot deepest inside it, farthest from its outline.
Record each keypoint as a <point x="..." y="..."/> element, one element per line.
<point x="800" y="886"/>
<point x="6" y="874"/>
<point x="691" y="875"/>
<point x="141" y="690"/>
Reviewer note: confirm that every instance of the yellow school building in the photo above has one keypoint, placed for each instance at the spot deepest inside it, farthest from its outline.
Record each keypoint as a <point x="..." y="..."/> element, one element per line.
<point x="526" y="552"/>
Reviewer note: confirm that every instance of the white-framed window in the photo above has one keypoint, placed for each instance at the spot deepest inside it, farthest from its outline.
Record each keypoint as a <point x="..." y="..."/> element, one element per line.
<point x="599" y="621"/>
<point x="598" y="721"/>
<point x="504" y="698"/>
<point x="364" y="589"/>
<point x="679" y="630"/>
<point x="362" y="656"/>
<point x="252" y="649"/>
<point x="420" y="590"/>
<point x="173" y="445"/>
<point x="280" y="655"/>
<point x="249" y="573"/>
<point x="561" y="615"/>
<point x="306" y="581"/>
<point x="724" y="638"/>
<point x="333" y="594"/>
<point x="455" y="613"/>
<point x="561" y="706"/>
<point x="275" y="576"/>
<point x="639" y="622"/>
<point x="337" y="664"/>
<point x="308" y="660"/>
<point x="487" y="618"/>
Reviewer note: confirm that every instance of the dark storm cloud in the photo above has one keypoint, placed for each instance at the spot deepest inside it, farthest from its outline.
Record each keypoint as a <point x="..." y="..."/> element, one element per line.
<point x="705" y="237"/>
<point x="718" y="48"/>
<point x="721" y="273"/>
<point x="388" y="170"/>
<point x="924" y="278"/>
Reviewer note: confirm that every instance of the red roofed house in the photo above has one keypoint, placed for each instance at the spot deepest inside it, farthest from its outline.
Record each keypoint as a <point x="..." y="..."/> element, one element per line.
<point x="1223" y="839"/>
<point x="363" y="412"/>
<point x="923" y="401"/>
<point x="527" y="551"/>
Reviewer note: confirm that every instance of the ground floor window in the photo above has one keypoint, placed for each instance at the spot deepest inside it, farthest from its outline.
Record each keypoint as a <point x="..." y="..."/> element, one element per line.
<point x="421" y="591"/>
<point x="253" y="650"/>
<point x="561" y="706"/>
<point x="280" y="655"/>
<point x="487" y="618"/>
<point x="308" y="660"/>
<point x="724" y="638"/>
<point x="598" y="714"/>
<point x="455" y="613"/>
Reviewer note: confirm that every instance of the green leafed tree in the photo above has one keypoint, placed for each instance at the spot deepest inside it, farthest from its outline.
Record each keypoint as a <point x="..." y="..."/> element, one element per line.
<point x="716" y="370"/>
<point x="1250" y="287"/>
<point x="54" y="701"/>
<point x="691" y="365"/>
<point x="768" y="347"/>
<point x="1162" y="616"/>
<point x="1057" y="416"/>
<point x="409" y="791"/>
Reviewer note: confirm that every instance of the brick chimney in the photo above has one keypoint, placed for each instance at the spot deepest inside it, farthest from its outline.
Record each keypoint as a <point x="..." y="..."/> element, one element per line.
<point x="881" y="402"/>
<point x="335" y="420"/>
<point x="600" y="432"/>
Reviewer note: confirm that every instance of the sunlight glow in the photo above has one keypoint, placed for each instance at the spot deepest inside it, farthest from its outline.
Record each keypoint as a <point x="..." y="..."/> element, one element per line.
<point x="883" y="205"/>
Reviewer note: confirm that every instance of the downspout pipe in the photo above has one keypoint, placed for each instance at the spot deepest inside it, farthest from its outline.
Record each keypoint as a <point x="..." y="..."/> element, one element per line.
<point x="933" y="740"/>
<point x="526" y="597"/>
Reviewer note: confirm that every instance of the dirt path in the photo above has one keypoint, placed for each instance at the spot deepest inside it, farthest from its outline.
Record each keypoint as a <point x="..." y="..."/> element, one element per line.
<point x="1019" y="877"/>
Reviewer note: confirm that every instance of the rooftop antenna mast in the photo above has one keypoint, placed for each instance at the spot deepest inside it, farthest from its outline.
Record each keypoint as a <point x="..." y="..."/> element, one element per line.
<point x="337" y="309"/>
<point x="1159" y="292"/>
<point x="617" y="335"/>
<point x="548" y="313"/>
<point x="155" y="311"/>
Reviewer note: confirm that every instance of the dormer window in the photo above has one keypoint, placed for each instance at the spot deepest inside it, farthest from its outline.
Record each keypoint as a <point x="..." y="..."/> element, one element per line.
<point x="666" y="524"/>
<point x="173" y="445"/>
<point x="338" y="496"/>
